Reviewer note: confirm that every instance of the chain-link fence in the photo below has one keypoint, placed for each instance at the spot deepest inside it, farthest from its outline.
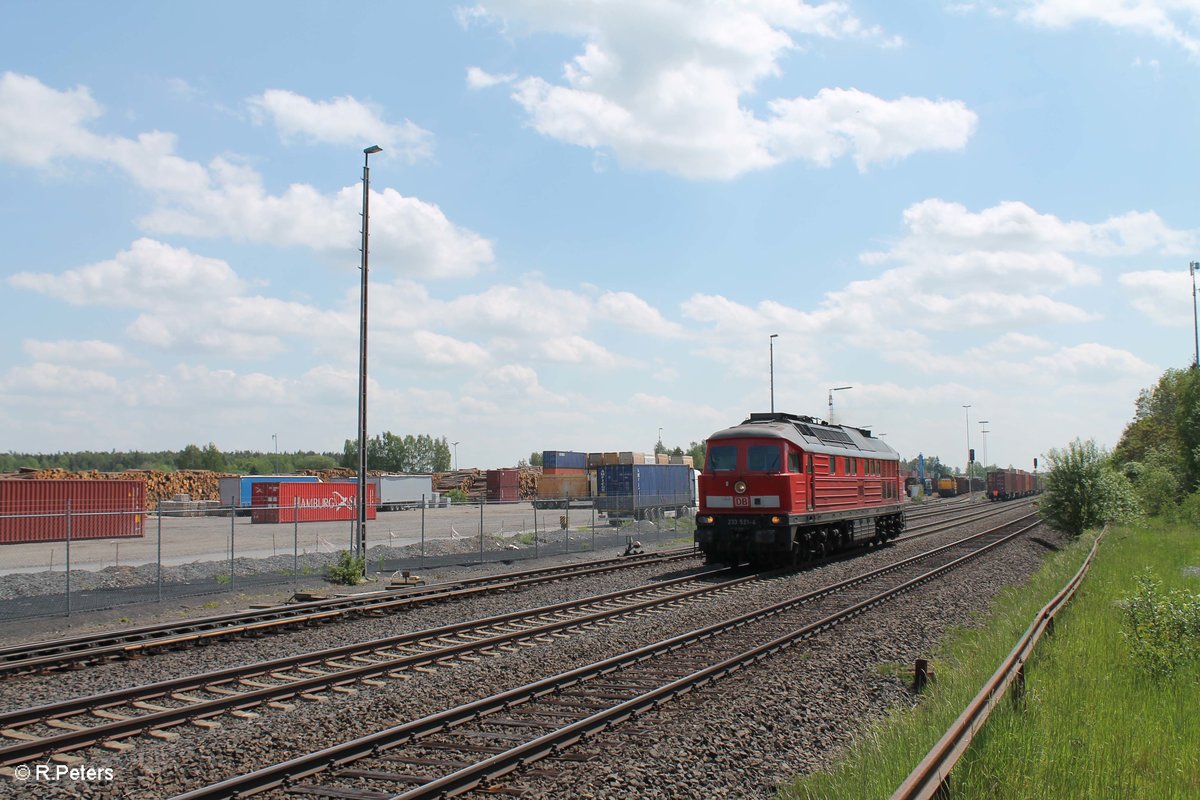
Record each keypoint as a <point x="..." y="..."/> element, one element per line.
<point x="184" y="550"/>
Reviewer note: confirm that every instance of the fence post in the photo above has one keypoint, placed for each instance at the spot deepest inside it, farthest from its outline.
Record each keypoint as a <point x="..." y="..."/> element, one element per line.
<point x="567" y="526"/>
<point x="535" y="533"/>
<point x="159" y="515"/>
<point x="422" y="531"/>
<point x="68" y="558"/>
<point x="481" y="530"/>
<point x="232" y="519"/>
<point x="295" y="544"/>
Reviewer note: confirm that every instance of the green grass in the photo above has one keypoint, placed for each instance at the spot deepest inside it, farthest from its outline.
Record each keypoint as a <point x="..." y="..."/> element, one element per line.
<point x="1094" y="723"/>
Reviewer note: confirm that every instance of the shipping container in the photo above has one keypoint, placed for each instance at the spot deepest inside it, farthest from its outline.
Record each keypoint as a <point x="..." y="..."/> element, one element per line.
<point x="564" y="459"/>
<point x="558" y="491"/>
<point x="563" y="471"/>
<point x="36" y="510"/>
<point x="595" y="460"/>
<point x="290" y="501"/>
<point x="503" y="485"/>
<point x="237" y="492"/>
<point x="662" y="458"/>
<point x="644" y="490"/>
<point x="688" y="460"/>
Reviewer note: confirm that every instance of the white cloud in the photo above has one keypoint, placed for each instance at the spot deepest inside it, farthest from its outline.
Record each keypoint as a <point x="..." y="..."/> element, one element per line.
<point x="59" y="379"/>
<point x="1165" y="297"/>
<point x="40" y="126"/>
<point x="1174" y="21"/>
<point x="661" y="84"/>
<point x="629" y="311"/>
<point x="92" y="352"/>
<point x="149" y="273"/>
<point x="954" y="271"/>
<point x="340" y="121"/>
<point x="478" y="79"/>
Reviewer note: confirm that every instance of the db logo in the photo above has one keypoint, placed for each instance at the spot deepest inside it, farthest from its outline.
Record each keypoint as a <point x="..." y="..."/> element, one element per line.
<point x="741" y="501"/>
<point x="21" y="772"/>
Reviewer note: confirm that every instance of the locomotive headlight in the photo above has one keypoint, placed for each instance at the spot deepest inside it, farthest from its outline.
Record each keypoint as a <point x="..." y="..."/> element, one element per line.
<point x="705" y="520"/>
<point x="776" y="520"/>
<point x="740" y="487"/>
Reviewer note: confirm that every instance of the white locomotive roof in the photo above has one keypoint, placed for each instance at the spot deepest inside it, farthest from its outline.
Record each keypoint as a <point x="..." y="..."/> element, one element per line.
<point x="811" y="435"/>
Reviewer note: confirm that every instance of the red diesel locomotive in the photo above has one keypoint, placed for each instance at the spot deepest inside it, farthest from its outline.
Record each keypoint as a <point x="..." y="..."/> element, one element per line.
<point x="783" y="489"/>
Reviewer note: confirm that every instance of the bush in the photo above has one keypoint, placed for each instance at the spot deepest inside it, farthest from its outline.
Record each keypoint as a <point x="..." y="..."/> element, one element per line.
<point x="1083" y="490"/>
<point x="1163" y="630"/>
<point x="348" y="570"/>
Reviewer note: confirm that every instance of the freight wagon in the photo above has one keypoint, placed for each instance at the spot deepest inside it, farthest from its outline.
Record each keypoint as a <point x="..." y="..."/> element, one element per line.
<point x="641" y="491"/>
<point x="35" y="510"/>
<point x="237" y="492"/>
<point x="1007" y="484"/>
<point x="289" y="501"/>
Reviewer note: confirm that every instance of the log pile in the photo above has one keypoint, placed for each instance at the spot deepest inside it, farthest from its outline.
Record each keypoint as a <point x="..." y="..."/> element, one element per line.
<point x="527" y="483"/>
<point x="200" y="484"/>
<point x="471" y="481"/>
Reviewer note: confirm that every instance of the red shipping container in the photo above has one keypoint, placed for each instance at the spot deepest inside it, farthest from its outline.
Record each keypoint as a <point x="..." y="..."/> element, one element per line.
<point x="35" y="510"/>
<point x="504" y="484"/>
<point x="276" y="501"/>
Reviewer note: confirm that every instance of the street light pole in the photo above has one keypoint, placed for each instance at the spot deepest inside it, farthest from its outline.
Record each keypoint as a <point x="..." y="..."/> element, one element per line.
<point x="455" y="455"/>
<point x="1193" y="268"/>
<point x="360" y="503"/>
<point x="772" y="339"/>
<point x="984" y="462"/>
<point x="831" y="391"/>
<point x="967" y="408"/>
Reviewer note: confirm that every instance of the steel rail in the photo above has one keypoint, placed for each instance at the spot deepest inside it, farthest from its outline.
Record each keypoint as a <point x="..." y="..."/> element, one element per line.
<point x="334" y="757"/>
<point x="231" y="699"/>
<point x="927" y="779"/>
<point x="132" y="642"/>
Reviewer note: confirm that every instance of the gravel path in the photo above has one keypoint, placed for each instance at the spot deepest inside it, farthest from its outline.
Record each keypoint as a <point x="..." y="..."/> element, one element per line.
<point x="738" y="739"/>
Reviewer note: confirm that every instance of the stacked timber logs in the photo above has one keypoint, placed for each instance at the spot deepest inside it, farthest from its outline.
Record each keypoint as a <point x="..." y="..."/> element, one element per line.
<point x="527" y="483"/>
<point x="471" y="481"/>
<point x="200" y="484"/>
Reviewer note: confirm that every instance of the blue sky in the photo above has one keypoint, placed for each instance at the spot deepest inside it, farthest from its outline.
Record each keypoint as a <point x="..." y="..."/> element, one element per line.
<point x="589" y="217"/>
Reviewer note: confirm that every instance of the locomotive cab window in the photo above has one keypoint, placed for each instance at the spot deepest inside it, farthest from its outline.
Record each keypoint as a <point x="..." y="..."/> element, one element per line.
<point x="795" y="463"/>
<point x="762" y="458"/>
<point x="722" y="458"/>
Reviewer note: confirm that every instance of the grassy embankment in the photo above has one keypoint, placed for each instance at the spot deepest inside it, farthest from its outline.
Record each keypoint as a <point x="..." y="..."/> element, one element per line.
<point x="1097" y="721"/>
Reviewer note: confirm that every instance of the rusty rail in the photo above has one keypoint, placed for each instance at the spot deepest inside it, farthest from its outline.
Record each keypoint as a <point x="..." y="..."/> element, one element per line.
<point x="930" y="777"/>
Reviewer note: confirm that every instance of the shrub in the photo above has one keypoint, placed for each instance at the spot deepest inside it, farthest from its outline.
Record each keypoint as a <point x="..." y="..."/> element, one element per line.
<point x="1162" y="629"/>
<point x="1083" y="491"/>
<point x="348" y="570"/>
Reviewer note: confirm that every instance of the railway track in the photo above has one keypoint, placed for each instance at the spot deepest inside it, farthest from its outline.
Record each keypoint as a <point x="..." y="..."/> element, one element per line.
<point x="252" y="689"/>
<point x="78" y="651"/>
<point x="136" y="642"/>
<point x="477" y="744"/>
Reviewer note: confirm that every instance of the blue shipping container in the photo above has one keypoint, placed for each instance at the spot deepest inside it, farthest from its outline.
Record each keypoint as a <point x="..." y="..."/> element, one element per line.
<point x="236" y="491"/>
<point x="564" y="459"/>
<point x="635" y="489"/>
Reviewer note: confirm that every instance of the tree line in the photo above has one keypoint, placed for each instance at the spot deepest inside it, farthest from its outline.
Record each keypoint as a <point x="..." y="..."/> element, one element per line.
<point x="1154" y="470"/>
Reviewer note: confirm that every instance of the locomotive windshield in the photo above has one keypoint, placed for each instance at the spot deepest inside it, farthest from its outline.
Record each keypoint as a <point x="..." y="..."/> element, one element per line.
<point x="722" y="458"/>
<point x="762" y="458"/>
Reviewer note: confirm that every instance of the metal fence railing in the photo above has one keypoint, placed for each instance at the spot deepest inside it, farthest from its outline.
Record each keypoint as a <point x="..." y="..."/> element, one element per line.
<point x="199" y="550"/>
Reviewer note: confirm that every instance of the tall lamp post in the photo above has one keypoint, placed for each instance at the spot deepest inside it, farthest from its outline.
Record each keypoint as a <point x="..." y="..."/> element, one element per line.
<point x="967" y="408"/>
<point x="360" y="504"/>
<point x="831" y="391"/>
<point x="1193" y="268"/>
<point x="771" y="339"/>
<point x="983" y="462"/>
<point x="455" y="455"/>
<point x="275" y="439"/>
